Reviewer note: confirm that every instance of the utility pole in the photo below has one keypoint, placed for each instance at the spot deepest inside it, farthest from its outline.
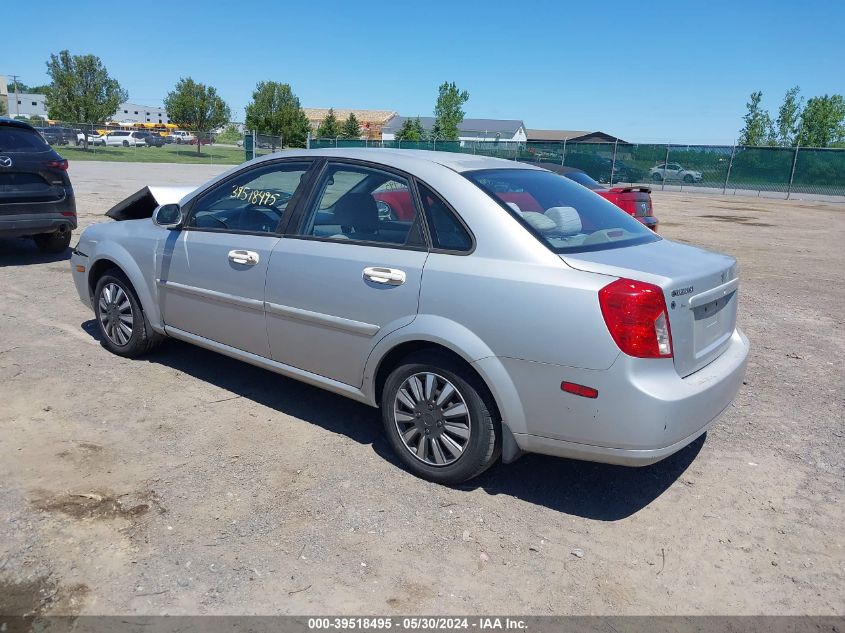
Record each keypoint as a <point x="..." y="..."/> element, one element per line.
<point x="17" y="105"/>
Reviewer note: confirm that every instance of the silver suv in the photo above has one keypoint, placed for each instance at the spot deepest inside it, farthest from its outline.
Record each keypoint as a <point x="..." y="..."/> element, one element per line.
<point x="487" y="307"/>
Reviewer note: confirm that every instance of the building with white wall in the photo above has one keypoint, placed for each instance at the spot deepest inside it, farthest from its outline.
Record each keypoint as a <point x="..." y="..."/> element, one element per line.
<point x="487" y="130"/>
<point x="130" y="112"/>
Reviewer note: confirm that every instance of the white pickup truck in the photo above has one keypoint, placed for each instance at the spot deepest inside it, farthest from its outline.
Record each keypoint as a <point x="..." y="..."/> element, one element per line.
<point x="180" y="136"/>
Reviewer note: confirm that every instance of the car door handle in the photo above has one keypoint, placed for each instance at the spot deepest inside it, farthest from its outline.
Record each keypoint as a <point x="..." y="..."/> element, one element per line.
<point x="388" y="276"/>
<point x="248" y="258"/>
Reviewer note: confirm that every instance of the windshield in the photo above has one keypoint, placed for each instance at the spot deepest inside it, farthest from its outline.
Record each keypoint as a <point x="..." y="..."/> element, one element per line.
<point x="18" y="139"/>
<point x="566" y="217"/>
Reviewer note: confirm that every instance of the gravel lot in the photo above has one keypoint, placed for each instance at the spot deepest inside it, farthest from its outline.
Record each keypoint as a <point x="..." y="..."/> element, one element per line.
<point x="187" y="482"/>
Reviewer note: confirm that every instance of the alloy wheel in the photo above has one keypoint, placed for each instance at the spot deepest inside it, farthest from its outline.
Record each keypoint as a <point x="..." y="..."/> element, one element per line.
<point x="432" y="419"/>
<point x="115" y="313"/>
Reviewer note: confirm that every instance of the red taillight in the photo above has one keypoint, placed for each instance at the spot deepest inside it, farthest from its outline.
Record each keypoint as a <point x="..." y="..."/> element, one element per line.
<point x="69" y="214"/>
<point x="636" y="316"/>
<point x="579" y="390"/>
<point x="58" y="164"/>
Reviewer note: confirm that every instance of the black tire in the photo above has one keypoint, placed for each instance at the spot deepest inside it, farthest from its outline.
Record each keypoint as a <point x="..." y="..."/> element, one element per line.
<point x="482" y="448"/>
<point x="657" y="177"/>
<point x="687" y="178"/>
<point x="57" y="242"/>
<point x="143" y="338"/>
<point x="125" y="143"/>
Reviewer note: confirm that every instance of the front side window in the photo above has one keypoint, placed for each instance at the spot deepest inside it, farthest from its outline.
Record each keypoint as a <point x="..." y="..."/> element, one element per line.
<point x="254" y="201"/>
<point x="363" y="204"/>
<point x="566" y="217"/>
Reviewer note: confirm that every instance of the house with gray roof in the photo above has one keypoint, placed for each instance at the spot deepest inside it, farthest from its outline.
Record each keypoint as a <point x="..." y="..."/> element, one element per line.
<point x="490" y="130"/>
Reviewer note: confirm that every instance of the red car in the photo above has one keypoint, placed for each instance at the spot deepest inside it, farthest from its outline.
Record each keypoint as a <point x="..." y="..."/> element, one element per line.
<point x="635" y="200"/>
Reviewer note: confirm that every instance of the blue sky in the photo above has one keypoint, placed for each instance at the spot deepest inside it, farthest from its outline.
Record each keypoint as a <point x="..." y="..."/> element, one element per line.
<point x="669" y="70"/>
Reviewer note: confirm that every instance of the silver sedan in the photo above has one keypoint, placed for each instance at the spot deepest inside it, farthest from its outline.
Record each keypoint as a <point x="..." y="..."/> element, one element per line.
<point x="487" y="307"/>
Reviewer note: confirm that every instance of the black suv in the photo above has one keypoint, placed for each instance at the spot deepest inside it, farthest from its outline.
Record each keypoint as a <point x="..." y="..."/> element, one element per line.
<point x="36" y="197"/>
<point x="152" y="139"/>
<point x="52" y="135"/>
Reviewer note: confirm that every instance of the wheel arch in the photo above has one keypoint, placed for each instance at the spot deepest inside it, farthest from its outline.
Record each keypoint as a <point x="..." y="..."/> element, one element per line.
<point x="462" y="345"/>
<point x="117" y="257"/>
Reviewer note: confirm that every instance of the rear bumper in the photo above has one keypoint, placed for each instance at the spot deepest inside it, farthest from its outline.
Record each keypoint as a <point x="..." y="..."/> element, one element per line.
<point x="650" y="221"/>
<point x="42" y="217"/>
<point x="644" y="411"/>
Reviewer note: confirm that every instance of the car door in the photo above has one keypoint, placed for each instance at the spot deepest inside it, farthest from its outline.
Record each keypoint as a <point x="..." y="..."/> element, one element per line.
<point x="348" y="274"/>
<point x="673" y="171"/>
<point x="212" y="275"/>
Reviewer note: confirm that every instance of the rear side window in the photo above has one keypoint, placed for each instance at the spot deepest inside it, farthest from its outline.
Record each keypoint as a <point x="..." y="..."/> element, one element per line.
<point x="364" y="204"/>
<point x="17" y="139"/>
<point x="447" y="232"/>
<point x="568" y="218"/>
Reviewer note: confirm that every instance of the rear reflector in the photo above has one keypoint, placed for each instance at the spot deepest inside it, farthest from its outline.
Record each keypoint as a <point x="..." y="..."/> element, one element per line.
<point x="579" y="390"/>
<point x="69" y="214"/>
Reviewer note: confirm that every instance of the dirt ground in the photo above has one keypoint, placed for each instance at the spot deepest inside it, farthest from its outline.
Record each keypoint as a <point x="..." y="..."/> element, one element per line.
<point x="189" y="483"/>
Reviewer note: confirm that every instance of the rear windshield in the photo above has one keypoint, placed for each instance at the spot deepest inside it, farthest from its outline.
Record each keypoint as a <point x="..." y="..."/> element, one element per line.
<point x="18" y="139"/>
<point x="566" y="217"/>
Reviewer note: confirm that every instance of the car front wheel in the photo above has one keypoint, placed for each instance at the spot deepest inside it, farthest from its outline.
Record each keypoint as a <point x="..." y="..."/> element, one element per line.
<point x="123" y="327"/>
<point x="687" y="178"/>
<point x="439" y="419"/>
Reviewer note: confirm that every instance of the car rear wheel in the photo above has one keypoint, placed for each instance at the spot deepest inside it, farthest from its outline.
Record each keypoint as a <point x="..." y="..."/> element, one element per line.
<point x="687" y="178"/>
<point x="657" y="177"/>
<point x="439" y="419"/>
<point x="53" y="242"/>
<point x="125" y="143"/>
<point x="123" y="327"/>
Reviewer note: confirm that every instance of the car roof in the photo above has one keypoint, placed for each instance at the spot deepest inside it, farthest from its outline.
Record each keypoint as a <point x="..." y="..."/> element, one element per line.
<point x="15" y="123"/>
<point x="455" y="161"/>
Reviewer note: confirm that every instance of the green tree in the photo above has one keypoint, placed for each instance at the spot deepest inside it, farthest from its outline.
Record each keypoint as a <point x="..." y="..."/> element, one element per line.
<point x="789" y="118"/>
<point x="197" y="107"/>
<point x="351" y="128"/>
<point x="329" y="128"/>
<point x="2" y="107"/>
<point x="823" y="121"/>
<point x="448" y="111"/>
<point x="411" y="130"/>
<point x="276" y="110"/>
<point x="81" y="90"/>
<point x="758" y="129"/>
<point x="230" y="134"/>
<point x="22" y="87"/>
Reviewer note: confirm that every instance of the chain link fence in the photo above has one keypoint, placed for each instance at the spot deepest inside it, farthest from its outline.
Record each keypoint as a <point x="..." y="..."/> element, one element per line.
<point x="140" y="142"/>
<point x="772" y="171"/>
<point x="768" y="171"/>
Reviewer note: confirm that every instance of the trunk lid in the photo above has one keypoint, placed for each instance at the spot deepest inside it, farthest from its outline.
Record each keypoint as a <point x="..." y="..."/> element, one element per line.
<point x="700" y="288"/>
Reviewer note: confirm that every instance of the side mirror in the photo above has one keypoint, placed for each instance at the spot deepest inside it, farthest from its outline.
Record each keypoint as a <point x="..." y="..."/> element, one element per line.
<point x="168" y="215"/>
